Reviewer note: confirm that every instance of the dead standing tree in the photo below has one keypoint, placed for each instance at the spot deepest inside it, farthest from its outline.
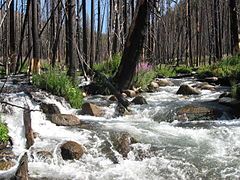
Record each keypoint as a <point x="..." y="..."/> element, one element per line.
<point x="133" y="47"/>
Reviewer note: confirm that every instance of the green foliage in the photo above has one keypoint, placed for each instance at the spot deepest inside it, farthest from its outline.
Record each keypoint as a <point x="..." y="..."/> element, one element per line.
<point x="164" y="71"/>
<point x="59" y="83"/>
<point x="109" y="67"/>
<point x="144" y="78"/>
<point x="235" y="90"/>
<point x="3" y="132"/>
<point x="183" y="69"/>
<point x="227" y="68"/>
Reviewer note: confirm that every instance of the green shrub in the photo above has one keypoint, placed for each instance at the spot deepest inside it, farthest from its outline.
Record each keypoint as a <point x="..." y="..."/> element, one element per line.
<point x="183" y="69"/>
<point x="204" y="71"/>
<point x="58" y="83"/>
<point x="164" y="71"/>
<point x="3" y="132"/>
<point x="109" y="67"/>
<point x="144" y="78"/>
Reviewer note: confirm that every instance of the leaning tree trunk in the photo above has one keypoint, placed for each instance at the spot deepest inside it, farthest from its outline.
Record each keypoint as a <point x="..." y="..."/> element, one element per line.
<point x="133" y="47"/>
<point x="36" y="39"/>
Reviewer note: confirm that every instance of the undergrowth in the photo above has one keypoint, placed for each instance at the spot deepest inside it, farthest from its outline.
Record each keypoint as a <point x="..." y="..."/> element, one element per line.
<point x="58" y="83"/>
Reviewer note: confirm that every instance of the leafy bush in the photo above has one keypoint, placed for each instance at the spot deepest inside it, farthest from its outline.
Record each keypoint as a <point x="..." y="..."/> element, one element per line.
<point x="58" y="83"/>
<point x="144" y="78"/>
<point x="3" y="132"/>
<point x="164" y="71"/>
<point x="183" y="69"/>
<point x="109" y="67"/>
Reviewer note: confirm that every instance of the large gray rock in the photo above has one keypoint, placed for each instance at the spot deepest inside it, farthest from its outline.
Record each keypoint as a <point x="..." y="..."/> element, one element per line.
<point x="91" y="109"/>
<point x="71" y="150"/>
<point x="64" y="119"/>
<point x="49" y="108"/>
<point x="187" y="90"/>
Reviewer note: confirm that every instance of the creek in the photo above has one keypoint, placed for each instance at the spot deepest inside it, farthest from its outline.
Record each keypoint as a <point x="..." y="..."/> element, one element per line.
<point x="166" y="148"/>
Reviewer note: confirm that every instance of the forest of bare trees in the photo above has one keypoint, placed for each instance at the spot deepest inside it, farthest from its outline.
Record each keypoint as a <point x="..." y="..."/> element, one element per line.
<point x="78" y="34"/>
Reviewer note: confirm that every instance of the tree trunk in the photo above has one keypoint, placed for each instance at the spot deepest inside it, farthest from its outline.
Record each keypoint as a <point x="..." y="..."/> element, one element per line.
<point x="133" y="47"/>
<point x="70" y="38"/>
<point x="36" y="39"/>
<point x="92" y="34"/>
<point x="12" y="39"/>
<point x="234" y="27"/>
<point x="85" y="34"/>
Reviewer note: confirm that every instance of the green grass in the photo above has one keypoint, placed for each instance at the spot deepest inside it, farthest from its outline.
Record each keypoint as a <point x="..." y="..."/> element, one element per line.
<point x="227" y="68"/>
<point x="183" y="69"/>
<point x="144" y="78"/>
<point x="109" y="67"/>
<point x="58" y="83"/>
<point x="164" y="71"/>
<point x="3" y="132"/>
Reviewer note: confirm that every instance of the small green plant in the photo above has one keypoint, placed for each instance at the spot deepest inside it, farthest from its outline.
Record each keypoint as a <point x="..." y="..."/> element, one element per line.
<point x="144" y="78"/>
<point x="205" y="71"/>
<point x="183" y="69"/>
<point x="164" y="71"/>
<point x="3" y="132"/>
<point x="110" y="66"/>
<point x="58" y="83"/>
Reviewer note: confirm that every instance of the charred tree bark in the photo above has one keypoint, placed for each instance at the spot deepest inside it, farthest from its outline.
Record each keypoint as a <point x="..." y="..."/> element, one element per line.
<point x="12" y="39"/>
<point x="133" y="47"/>
<point x="28" y="128"/>
<point x="85" y="34"/>
<point x="70" y="38"/>
<point x="36" y="39"/>
<point x="234" y="27"/>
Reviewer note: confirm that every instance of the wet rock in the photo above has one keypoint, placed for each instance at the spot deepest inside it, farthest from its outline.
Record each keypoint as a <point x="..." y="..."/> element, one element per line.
<point x="124" y="95"/>
<point x="164" y="82"/>
<point x="64" y="119"/>
<point x="71" y="150"/>
<point x="6" y="109"/>
<point x="194" y="113"/>
<point x="120" y="110"/>
<point x="225" y="94"/>
<point x="3" y="145"/>
<point x="152" y="87"/>
<point x="187" y="90"/>
<point x="211" y="79"/>
<point x="139" y="100"/>
<point x="91" y="109"/>
<point x="7" y="154"/>
<point x="205" y="86"/>
<point x="6" y="164"/>
<point x="130" y="93"/>
<point x="22" y="170"/>
<point x="106" y="148"/>
<point x="112" y="98"/>
<point x="122" y="142"/>
<point x="45" y="155"/>
<point x="49" y="108"/>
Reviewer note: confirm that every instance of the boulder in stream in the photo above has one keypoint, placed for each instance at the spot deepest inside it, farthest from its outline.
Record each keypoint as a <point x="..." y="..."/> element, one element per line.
<point x="91" y="109"/>
<point x="195" y="113"/>
<point x="6" y="164"/>
<point x="130" y="93"/>
<point x="49" y="108"/>
<point x="64" y="119"/>
<point x="71" y="150"/>
<point x="139" y="100"/>
<point x="164" y="82"/>
<point x="188" y="90"/>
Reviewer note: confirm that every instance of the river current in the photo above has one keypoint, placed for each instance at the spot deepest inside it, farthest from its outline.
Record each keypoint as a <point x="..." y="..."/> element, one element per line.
<point x="166" y="148"/>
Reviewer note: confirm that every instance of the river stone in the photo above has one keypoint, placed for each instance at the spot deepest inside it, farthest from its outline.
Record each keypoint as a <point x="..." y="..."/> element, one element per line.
<point x="195" y="113"/>
<point x="187" y="90"/>
<point x="91" y="109"/>
<point x="122" y="142"/>
<point x="64" y="119"/>
<point x="44" y="155"/>
<point x="49" y="108"/>
<point x="164" y="82"/>
<point x="71" y="150"/>
<point x="153" y="86"/>
<point x="112" y="98"/>
<point x="139" y="100"/>
<point x="7" y="153"/>
<point x="211" y="79"/>
<point x="130" y="93"/>
<point x="6" y="164"/>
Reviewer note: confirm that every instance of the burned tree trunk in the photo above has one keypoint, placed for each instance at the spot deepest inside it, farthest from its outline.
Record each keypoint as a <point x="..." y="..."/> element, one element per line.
<point x="36" y="39"/>
<point x="234" y="27"/>
<point x="133" y="47"/>
<point x="28" y="128"/>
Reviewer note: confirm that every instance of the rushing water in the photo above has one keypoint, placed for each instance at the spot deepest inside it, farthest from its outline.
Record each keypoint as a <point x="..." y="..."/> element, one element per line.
<point x="166" y="149"/>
